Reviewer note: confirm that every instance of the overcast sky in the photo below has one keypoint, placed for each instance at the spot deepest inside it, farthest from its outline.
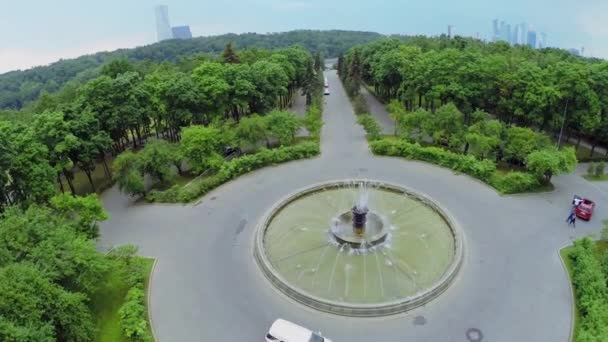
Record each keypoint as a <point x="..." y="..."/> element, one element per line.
<point x="37" y="32"/>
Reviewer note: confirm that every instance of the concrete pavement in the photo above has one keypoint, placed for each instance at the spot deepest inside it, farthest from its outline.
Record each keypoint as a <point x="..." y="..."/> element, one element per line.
<point x="207" y="286"/>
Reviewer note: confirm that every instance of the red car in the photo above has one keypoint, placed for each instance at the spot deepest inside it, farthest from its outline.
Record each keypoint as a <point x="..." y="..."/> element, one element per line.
<point x="585" y="209"/>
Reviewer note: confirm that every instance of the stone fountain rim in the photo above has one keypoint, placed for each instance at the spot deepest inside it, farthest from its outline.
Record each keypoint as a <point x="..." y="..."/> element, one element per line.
<point x="362" y="310"/>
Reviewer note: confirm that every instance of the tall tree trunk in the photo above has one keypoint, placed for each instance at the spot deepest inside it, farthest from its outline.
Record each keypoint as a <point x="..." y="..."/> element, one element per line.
<point x="106" y="169"/>
<point x="592" y="150"/>
<point x="70" y="183"/>
<point x="88" y="173"/>
<point x="466" y="148"/>
<point x="60" y="183"/>
<point x="578" y="142"/>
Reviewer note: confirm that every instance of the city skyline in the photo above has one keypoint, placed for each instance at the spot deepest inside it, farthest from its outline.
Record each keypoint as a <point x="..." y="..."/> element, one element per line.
<point x="50" y="35"/>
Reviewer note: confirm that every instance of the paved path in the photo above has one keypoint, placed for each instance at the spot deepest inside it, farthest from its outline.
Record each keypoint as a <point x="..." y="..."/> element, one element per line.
<point x="378" y="110"/>
<point x="207" y="287"/>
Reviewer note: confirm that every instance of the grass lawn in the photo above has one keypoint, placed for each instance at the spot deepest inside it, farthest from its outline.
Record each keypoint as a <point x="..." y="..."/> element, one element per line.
<point x="106" y="304"/>
<point x="81" y="182"/>
<point x="584" y="152"/>
<point x="596" y="179"/>
<point x="564" y="253"/>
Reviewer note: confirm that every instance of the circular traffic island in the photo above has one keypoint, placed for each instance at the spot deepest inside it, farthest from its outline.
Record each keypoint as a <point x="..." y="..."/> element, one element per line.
<point x="359" y="247"/>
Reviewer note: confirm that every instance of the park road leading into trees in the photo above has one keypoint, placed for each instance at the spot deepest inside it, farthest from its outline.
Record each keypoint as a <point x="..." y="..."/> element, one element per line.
<point x="512" y="286"/>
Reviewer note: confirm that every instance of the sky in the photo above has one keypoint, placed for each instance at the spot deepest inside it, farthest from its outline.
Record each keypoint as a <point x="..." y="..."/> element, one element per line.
<point x="38" y="32"/>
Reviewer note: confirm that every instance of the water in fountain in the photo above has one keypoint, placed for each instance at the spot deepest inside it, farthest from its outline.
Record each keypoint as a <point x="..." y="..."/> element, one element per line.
<point x="405" y="247"/>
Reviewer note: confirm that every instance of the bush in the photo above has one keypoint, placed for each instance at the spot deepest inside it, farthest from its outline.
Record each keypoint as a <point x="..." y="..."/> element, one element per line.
<point x="481" y="169"/>
<point x="591" y="169"/>
<point x="359" y="105"/>
<point x="234" y="168"/>
<point x="514" y="182"/>
<point x="371" y="126"/>
<point x="591" y="292"/>
<point x="599" y="169"/>
<point x="133" y="318"/>
<point x="313" y="120"/>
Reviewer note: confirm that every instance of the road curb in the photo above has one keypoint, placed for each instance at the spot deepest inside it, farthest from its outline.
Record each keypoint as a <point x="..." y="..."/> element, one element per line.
<point x="148" y="301"/>
<point x="384" y="309"/>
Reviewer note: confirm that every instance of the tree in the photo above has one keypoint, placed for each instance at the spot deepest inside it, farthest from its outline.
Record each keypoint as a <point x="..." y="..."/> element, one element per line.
<point x="117" y="67"/>
<point x="446" y="126"/>
<point x="128" y="174"/>
<point x="484" y="137"/>
<point x="201" y="147"/>
<point x="318" y="63"/>
<point x="282" y="126"/>
<point x="397" y="112"/>
<point x="412" y="125"/>
<point x="520" y="142"/>
<point x="36" y="308"/>
<point x="229" y="55"/>
<point x="548" y="162"/>
<point x="252" y="130"/>
<point x="85" y="212"/>
<point x="155" y="160"/>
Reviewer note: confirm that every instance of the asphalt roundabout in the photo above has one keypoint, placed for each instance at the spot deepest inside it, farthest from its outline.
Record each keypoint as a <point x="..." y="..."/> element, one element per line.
<point x="404" y="265"/>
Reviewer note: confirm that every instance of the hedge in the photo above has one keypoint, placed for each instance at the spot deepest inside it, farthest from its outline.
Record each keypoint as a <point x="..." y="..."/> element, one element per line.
<point x="133" y="318"/>
<point x="481" y="169"/>
<point x="591" y="292"/>
<point x="372" y="128"/>
<point x="234" y="168"/>
<point x="514" y="182"/>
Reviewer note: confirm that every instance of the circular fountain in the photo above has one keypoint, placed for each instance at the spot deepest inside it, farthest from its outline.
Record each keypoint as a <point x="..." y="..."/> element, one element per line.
<point x="359" y="247"/>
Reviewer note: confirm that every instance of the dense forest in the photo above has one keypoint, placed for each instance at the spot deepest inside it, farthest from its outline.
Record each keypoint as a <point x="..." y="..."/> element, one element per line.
<point x="542" y="89"/>
<point x="17" y="88"/>
<point x="52" y="277"/>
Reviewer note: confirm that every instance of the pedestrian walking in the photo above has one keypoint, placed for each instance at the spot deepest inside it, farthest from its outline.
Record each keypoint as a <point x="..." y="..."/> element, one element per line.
<point x="570" y="217"/>
<point x="573" y="221"/>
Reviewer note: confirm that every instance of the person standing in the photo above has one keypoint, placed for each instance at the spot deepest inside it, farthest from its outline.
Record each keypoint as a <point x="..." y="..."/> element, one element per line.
<point x="571" y="218"/>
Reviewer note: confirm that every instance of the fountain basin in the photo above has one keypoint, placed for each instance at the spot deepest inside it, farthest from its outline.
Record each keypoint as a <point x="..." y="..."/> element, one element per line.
<point x="409" y="253"/>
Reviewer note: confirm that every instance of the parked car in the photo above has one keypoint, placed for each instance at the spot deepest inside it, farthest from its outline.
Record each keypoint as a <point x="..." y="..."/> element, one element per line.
<point x="232" y="151"/>
<point x="584" y="209"/>
<point x="326" y="92"/>
<point x="285" y="331"/>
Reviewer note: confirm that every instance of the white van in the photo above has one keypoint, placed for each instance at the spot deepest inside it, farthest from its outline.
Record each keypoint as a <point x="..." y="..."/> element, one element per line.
<point x="285" y="331"/>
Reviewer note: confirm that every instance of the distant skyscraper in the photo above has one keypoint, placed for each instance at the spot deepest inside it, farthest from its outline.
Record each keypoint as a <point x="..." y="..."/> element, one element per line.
<point x="495" y="31"/>
<point x="531" y="39"/>
<point x="163" y="27"/>
<point x="522" y="36"/>
<point x="182" y="32"/>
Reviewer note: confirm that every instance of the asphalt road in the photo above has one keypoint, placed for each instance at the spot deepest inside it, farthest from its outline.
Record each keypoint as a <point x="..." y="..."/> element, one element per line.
<point x="207" y="286"/>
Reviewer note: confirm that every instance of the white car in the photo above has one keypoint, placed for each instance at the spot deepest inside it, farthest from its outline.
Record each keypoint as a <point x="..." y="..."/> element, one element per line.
<point x="326" y="92"/>
<point x="285" y="331"/>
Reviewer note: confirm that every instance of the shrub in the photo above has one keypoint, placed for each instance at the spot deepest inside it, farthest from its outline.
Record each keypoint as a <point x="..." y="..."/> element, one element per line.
<point x="133" y="318"/>
<point x="370" y="125"/>
<point x="591" y="292"/>
<point x="234" y="168"/>
<point x="514" y="182"/>
<point x="481" y="169"/>
<point x="313" y="120"/>
<point x="599" y="169"/>
<point x="591" y="169"/>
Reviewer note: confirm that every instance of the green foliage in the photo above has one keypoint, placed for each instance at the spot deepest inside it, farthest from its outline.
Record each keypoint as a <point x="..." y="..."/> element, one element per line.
<point x="133" y="317"/>
<point x="49" y="268"/>
<point x="201" y="146"/>
<point x="591" y="292"/>
<point x="599" y="169"/>
<point x="604" y="232"/>
<point x="128" y="175"/>
<point x="591" y="169"/>
<point x="514" y="182"/>
<point x="20" y="87"/>
<point x="371" y="126"/>
<point x="252" y="130"/>
<point x="86" y="212"/>
<point x="484" y="137"/>
<point x="282" y="126"/>
<point x="313" y="121"/>
<point x="481" y="169"/>
<point x="234" y="168"/>
<point x="550" y="161"/>
<point x="155" y="159"/>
